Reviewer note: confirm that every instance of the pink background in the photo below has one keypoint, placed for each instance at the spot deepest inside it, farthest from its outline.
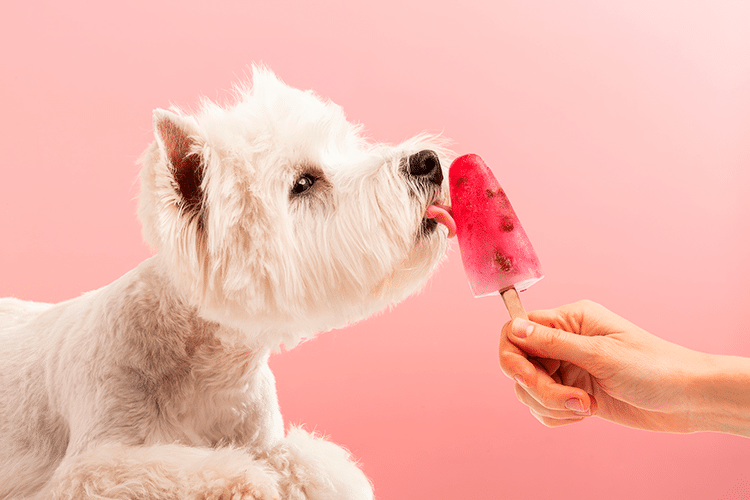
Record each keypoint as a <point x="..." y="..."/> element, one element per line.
<point x="620" y="130"/>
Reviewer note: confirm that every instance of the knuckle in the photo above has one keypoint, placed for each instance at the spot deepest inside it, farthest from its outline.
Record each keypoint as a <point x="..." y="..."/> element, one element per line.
<point x="507" y="358"/>
<point x="552" y="337"/>
<point x="550" y="401"/>
<point x="545" y="395"/>
<point x="587" y="304"/>
<point x="547" y="401"/>
<point x="591" y="307"/>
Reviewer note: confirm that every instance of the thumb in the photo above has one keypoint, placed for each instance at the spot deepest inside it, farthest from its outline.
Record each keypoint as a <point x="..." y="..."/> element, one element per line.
<point x="544" y="342"/>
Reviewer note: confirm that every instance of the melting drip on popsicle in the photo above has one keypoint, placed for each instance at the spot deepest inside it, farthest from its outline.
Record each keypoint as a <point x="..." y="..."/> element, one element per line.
<point x="496" y="253"/>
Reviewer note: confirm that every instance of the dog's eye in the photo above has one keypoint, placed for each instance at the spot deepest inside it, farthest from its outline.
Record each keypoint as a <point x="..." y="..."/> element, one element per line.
<point x="302" y="184"/>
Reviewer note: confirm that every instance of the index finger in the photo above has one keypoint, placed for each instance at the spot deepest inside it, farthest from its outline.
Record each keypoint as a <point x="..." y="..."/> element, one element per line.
<point x="584" y="317"/>
<point x="513" y="361"/>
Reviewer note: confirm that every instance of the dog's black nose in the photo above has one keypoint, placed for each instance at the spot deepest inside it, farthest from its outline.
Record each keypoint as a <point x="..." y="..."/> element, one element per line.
<point x="426" y="165"/>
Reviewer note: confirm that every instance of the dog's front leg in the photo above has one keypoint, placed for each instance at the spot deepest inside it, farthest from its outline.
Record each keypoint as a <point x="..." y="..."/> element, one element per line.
<point x="163" y="472"/>
<point x="312" y="468"/>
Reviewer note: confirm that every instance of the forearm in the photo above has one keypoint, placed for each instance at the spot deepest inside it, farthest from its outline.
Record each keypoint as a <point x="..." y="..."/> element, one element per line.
<point x="719" y="393"/>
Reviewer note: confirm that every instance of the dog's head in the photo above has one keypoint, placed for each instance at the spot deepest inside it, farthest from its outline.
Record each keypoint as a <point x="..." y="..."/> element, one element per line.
<point x="275" y="215"/>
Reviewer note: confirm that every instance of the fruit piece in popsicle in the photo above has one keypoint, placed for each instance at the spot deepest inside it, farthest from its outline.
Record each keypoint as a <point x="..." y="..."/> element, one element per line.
<point x="496" y="253"/>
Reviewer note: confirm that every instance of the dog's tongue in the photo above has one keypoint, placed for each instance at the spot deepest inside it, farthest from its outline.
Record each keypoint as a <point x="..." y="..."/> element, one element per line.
<point x="443" y="215"/>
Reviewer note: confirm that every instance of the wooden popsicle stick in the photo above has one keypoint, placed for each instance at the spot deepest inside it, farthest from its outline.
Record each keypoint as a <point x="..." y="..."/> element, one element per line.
<point x="513" y="304"/>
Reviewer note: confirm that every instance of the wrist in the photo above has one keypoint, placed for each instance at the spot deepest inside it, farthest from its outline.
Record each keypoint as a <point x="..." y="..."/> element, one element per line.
<point x="718" y="394"/>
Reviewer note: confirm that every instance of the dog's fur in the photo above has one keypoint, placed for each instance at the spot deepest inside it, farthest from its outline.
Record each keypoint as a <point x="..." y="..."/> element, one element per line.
<point x="272" y="219"/>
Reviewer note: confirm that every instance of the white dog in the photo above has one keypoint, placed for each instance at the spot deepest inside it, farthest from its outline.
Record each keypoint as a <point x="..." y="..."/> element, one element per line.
<point x="272" y="220"/>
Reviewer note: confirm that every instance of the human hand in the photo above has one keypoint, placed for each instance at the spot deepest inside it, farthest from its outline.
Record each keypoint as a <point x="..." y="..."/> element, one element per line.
<point x="582" y="359"/>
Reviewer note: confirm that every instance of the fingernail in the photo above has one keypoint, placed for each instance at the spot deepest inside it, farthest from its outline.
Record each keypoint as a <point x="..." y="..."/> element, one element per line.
<point x="520" y="381"/>
<point x="521" y="328"/>
<point x="576" y="406"/>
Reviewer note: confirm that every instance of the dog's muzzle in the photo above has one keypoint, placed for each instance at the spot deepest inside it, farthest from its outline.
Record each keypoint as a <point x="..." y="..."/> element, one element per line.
<point x="425" y="167"/>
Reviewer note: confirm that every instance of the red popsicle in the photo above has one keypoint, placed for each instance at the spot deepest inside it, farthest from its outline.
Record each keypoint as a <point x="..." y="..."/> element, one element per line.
<point x="496" y="253"/>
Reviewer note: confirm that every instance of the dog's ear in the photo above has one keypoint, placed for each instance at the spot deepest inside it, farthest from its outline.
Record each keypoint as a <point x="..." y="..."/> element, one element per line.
<point x="178" y="139"/>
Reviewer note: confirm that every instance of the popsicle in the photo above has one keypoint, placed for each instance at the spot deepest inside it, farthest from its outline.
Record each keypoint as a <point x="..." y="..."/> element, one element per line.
<point x="496" y="253"/>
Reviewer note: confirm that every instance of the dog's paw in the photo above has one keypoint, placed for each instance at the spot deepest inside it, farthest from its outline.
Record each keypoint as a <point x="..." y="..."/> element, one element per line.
<point x="164" y="472"/>
<point x="317" y="469"/>
<point x="251" y="483"/>
<point x="242" y="491"/>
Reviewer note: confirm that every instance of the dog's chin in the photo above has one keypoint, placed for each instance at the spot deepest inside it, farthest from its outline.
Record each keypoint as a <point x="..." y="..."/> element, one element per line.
<point x="427" y="228"/>
<point x="436" y="215"/>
